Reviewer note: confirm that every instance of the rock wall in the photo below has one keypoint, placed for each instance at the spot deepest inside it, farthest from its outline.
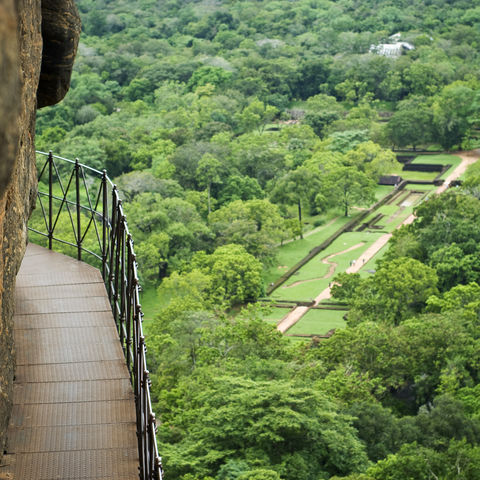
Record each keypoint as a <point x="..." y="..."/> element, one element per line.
<point x="21" y="47"/>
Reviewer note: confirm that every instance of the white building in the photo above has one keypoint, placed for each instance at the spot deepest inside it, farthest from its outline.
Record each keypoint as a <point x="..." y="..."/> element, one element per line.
<point x="393" y="49"/>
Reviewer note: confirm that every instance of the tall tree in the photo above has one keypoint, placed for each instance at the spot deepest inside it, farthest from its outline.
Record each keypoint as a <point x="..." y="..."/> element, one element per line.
<point x="348" y="186"/>
<point x="208" y="173"/>
<point x="451" y="114"/>
<point x="297" y="186"/>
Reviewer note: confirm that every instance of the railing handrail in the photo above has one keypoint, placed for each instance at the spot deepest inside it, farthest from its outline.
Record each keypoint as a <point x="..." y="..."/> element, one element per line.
<point x="73" y="162"/>
<point x="119" y="272"/>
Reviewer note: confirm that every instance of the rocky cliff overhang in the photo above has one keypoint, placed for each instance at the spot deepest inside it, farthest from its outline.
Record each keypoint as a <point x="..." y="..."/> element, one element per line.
<point x="60" y="33"/>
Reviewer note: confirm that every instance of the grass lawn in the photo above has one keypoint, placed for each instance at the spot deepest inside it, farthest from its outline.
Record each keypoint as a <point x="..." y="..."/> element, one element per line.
<point x="151" y="304"/>
<point x="443" y="159"/>
<point x="435" y="147"/>
<point x="382" y="190"/>
<point x="291" y="253"/>
<point x="318" y="322"/>
<point x="403" y="209"/>
<point x="390" y="223"/>
<point x="372" y="263"/>
<point x="275" y="314"/>
<point x="424" y="176"/>
<point x="311" y="274"/>
<point x="423" y="188"/>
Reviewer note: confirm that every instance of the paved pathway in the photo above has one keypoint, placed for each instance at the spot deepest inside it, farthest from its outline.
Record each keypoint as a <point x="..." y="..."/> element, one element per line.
<point x="73" y="415"/>
<point x="297" y="313"/>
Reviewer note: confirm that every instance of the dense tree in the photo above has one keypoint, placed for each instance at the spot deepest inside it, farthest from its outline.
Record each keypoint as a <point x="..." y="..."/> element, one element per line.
<point x="406" y="365"/>
<point x="207" y="173"/>
<point x="255" y="115"/>
<point x="373" y="160"/>
<point x="451" y="111"/>
<point x="347" y="186"/>
<point x="236" y="276"/>
<point x="397" y="290"/>
<point x="298" y="186"/>
<point x="255" y="224"/>
<point x="413" y="461"/>
<point x="321" y="111"/>
<point x="266" y="419"/>
<point x="411" y="124"/>
<point x="239" y="187"/>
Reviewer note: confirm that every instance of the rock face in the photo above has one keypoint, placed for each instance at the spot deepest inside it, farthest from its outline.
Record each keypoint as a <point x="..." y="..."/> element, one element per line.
<point x="60" y="31"/>
<point x="10" y="81"/>
<point x="20" y="65"/>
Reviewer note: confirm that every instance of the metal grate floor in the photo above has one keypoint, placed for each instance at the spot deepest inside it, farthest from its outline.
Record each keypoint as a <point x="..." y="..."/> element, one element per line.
<point x="74" y="411"/>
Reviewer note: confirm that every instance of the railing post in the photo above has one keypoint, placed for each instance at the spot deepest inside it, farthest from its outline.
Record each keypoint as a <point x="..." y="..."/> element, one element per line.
<point x="131" y="286"/>
<point x="139" y="403"/>
<point x="117" y="270"/>
<point x="79" y="225"/>
<point x="50" y="199"/>
<point x="123" y="287"/>
<point x="104" y="225"/>
<point x="113" y="232"/>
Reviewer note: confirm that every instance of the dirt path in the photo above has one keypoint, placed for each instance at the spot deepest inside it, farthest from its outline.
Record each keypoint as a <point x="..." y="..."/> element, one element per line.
<point x="334" y="265"/>
<point x="331" y="269"/>
<point x="297" y="313"/>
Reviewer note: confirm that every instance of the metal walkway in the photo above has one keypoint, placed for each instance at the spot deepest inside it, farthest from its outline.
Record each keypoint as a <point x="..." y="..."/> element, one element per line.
<point x="74" y="409"/>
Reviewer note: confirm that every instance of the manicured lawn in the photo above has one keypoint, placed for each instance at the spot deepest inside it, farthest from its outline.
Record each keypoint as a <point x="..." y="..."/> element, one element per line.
<point x="275" y="314"/>
<point x="443" y="159"/>
<point x="423" y="188"/>
<point x="291" y="253"/>
<point x="310" y="275"/>
<point x="390" y="223"/>
<point x="382" y="190"/>
<point x="373" y="262"/>
<point x="436" y="147"/>
<point x="318" y="322"/>
<point x="393" y="215"/>
<point x="427" y="176"/>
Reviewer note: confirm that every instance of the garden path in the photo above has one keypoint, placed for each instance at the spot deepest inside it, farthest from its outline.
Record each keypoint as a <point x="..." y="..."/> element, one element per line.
<point x="331" y="266"/>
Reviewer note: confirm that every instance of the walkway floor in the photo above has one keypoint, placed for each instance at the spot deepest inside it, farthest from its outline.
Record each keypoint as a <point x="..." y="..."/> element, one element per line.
<point x="73" y="415"/>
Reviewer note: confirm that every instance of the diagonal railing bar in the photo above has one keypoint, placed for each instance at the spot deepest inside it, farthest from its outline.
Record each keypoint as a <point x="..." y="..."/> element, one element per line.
<point x="65" y="192"/>
<point x="64" y="202"/>
<point x="114" y="245"/>
<point x="44" y="214"/>
<point x="92" y="210"/>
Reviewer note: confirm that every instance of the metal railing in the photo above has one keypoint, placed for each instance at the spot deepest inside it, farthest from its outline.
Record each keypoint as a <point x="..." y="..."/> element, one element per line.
<point x="86" y="200"/>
